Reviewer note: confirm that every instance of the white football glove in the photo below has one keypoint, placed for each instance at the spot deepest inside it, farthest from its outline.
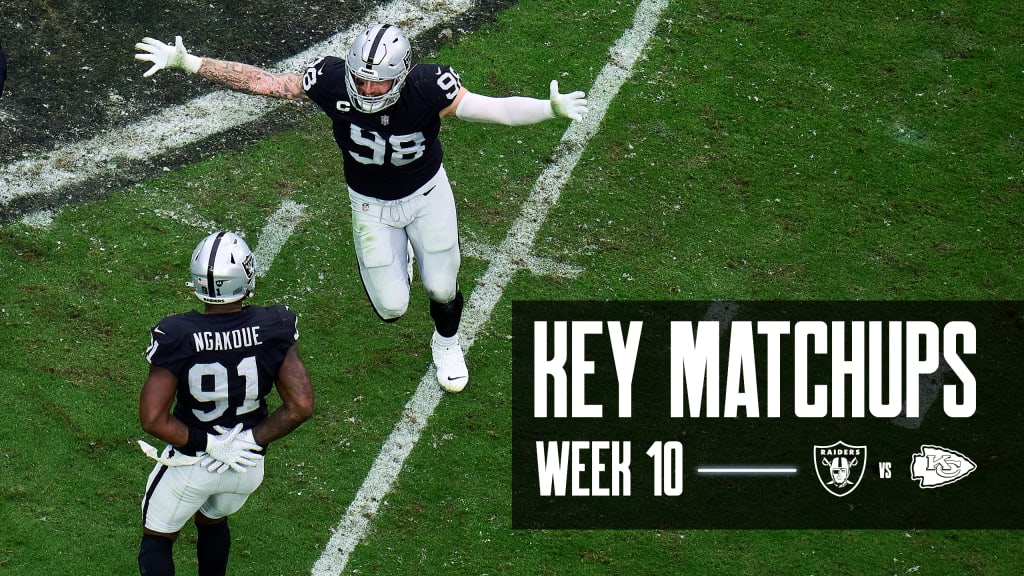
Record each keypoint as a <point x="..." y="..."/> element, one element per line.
<point x="166" y="56"/>
<point x="232" y="449"/>
<point x="572" y="105"/>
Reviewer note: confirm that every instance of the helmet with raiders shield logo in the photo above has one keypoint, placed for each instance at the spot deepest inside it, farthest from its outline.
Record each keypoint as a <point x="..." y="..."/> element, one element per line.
<point x="378" y="54"/>
<point x="223" y="269"/>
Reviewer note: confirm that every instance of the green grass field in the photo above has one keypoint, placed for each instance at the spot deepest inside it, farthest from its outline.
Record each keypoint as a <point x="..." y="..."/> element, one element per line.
<point x="804" y="150"/>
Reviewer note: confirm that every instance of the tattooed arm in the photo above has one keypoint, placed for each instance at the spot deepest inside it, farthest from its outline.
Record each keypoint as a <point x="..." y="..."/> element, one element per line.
<point x="246" y="78"/>
<point x="236" y="76"/>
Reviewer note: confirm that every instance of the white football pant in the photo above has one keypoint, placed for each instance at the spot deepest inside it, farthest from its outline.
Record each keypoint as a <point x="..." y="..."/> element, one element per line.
<point x="175" y="493"/>
<point x="382" y="231"/>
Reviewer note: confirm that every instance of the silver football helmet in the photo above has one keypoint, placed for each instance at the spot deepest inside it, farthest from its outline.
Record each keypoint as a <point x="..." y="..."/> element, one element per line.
<point x="223" y="269"/>
<point x="380" y="53"/>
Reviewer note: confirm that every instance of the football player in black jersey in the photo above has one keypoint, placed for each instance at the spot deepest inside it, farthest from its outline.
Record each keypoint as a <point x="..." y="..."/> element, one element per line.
<point x="386" y="114"/>
<point x="210" y="373"/>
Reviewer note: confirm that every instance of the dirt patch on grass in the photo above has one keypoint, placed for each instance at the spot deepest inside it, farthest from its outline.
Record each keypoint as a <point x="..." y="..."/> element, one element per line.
<point x="72" y="72"/>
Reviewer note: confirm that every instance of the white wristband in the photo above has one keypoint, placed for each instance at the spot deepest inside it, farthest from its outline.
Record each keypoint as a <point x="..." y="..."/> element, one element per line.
<point x="192" y="63"/>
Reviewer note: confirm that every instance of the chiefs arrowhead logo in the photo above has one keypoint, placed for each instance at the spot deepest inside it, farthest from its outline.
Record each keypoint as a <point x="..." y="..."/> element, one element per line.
<point x="935" y="466"/>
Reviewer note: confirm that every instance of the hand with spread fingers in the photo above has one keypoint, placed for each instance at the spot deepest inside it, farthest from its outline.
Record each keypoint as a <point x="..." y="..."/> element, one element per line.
<point x="166" y="56"/>
<point x="572" y="105"/>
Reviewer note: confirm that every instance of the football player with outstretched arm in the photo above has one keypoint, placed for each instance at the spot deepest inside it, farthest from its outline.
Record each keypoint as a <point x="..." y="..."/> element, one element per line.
<point x="210" y="373"/>
<point x="386" y="114"/>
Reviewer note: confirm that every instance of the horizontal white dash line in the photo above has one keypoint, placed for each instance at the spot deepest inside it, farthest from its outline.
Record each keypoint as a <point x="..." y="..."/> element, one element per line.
<point x="748" y="470"/>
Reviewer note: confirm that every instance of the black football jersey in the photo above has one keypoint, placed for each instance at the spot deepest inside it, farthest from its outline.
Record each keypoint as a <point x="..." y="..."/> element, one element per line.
<point x="226" y="364"/>
<point x="391" y="153"/>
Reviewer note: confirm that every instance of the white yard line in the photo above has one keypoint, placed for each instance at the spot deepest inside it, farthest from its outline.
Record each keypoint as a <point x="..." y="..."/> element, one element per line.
<point x="271" y="239"/>
<point x="277" y="231"/>
<point x="183" y="125"/>
<point x="488" y="291"/>
<point x="536" y="265"/>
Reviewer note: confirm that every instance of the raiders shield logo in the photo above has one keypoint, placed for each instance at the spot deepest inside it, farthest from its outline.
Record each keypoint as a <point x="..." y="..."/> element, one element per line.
<point x="840" y="466"/>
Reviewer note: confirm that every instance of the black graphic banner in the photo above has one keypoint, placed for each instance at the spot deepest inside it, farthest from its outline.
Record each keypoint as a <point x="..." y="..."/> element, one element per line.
<point x="765" y="415"/>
